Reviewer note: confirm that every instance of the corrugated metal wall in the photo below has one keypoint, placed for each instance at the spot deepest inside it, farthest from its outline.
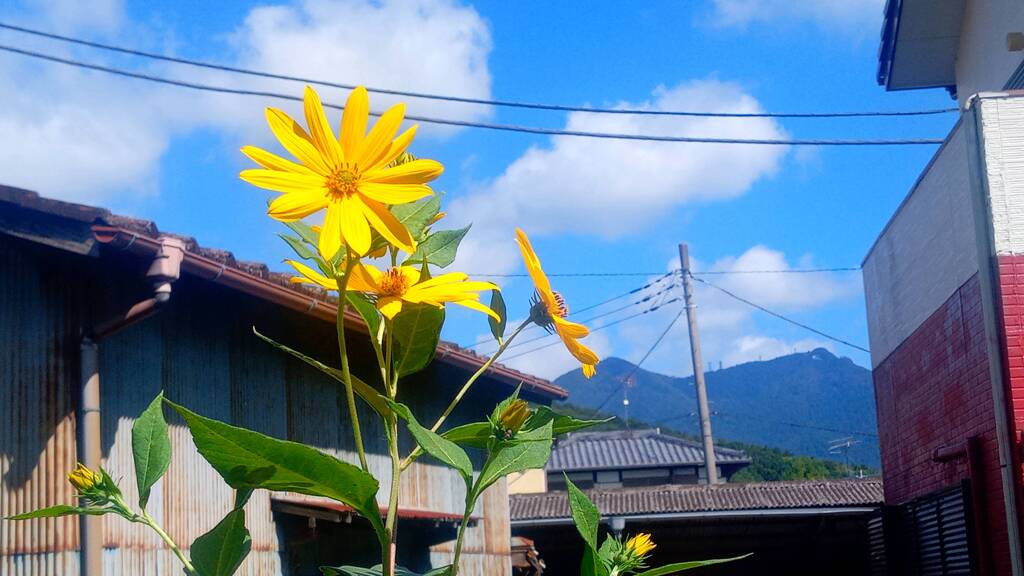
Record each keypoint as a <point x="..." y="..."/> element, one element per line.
<point x="202" y="353"/>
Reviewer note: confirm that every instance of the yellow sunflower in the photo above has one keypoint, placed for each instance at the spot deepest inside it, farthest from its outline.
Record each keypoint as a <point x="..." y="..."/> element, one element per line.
<point x="401" y="284"/>
<point x="549" y="310"/>
<point x="640" y="545"/>
<point x="349" y="176"/>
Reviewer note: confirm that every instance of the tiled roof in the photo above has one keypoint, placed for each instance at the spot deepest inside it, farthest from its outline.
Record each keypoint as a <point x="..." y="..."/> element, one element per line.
<point x="93" y="216"/>
<point x="678" y="498"/>
<point x="623" y="449"/>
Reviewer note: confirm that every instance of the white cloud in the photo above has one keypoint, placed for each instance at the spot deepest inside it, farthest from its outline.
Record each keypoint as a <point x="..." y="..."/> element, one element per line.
<point x="757" y="347"/>
<point x="858" y="16"/>
<point x="90" y="137"/>
<point x="613" y="188"/>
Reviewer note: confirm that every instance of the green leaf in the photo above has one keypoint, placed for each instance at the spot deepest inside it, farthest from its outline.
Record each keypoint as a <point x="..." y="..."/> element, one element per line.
<point x="591" y="565"/>
<point x="561" y="424"/>
<point x="681" y="566"/>
<point x="417" y="215"/>
<point x="305" y="231"/>
<point x="444" y="450"/>
<point x="377" y="571"/>
<point x="498" y="305"/>
<point x="300" y="248"/>
<point x="221" y="551"/>
<point x="59" y="510"/>
<point x="584" y="514"/>
<point x="474" y="434"/>
<point x="416" y="330"/>
<point x="531" y="450"/>
<point x="151" y="448"/>
<point x="364" y="390"/>
<point x="439" y="248"/>
<point x="367" y="311"/>
<point x="247" y="459"/>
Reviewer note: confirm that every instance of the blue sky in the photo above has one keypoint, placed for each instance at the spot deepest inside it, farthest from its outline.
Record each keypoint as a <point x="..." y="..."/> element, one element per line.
<point x="591" y="206"/>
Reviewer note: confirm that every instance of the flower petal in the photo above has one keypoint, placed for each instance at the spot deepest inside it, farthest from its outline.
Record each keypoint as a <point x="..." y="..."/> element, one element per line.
<point x="291" y="207"/>
<point x="570" y="329"/>
<point x="331" y="232"/>
<point x="579" y="351"/>
<point x="378" y="141"/>
<point x="474" y="305"/>
<point x="274" y="162"/>
<point x="354" y="227"/>
<point x="319" y="130"/>
<point x="287" y="182"/>
<point x="353" y="122"/>
<point x="399" y="145"/>
<point x="295" y="140"/>
<point x="589" y="370"/>
<point x="448" y="278"/>
<point x="389" y="306"/>
<point x="364" y="279"/>
<point x="415" y="172"/>
<point x="312" y="276"/>
<point x="394" y="193"/>
<point x="385" y="223"/>
<point x="540" y="279"/>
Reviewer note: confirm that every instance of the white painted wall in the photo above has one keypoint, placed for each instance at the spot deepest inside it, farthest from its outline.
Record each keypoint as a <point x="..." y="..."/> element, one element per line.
<point x="1002" y="135"/>
<point x="925" y="252"/>
<point x="983" y="62"/>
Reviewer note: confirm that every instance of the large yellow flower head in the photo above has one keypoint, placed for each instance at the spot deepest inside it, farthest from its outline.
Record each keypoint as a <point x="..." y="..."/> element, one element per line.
<point x="350" y="176"/>
<point x="400" y="285"/>
<point x="550" y="310"/>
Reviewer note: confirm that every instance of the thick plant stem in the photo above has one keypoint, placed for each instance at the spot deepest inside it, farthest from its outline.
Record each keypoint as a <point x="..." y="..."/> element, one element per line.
<point x="459" y="539"/>
<point x="149" y="521"/>
<point x="342" y="350"/>
<point x="391" y="522"/>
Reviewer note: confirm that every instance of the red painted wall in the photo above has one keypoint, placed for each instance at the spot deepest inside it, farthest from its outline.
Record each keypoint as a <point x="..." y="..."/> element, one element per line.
<point x="1011" y="284"/>
<point x="934" y="391"/>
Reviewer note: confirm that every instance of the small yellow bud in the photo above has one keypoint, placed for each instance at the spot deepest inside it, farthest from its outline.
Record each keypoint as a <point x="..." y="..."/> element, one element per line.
<point x="84" y="479"/>
<point x="640" y="545"/>
<point x="514" y="416"/>
<point x="437" y="218"/>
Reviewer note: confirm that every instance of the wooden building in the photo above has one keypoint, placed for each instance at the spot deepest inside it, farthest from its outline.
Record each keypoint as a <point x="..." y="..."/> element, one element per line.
<point x="68" y="273"/>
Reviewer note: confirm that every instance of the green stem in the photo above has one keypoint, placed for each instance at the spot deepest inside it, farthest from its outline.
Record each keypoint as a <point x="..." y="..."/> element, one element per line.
<point x="148" y="520"/>
<point x="391" y="522"/>
<point x="459" y="539"/>
<point x="342" y="350"/>
<point x="417" y="452"/>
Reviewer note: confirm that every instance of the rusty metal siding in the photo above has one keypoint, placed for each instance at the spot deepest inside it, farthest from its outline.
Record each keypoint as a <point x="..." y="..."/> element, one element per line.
<point x="37" y="424"/>
<point x="202" y="353"/>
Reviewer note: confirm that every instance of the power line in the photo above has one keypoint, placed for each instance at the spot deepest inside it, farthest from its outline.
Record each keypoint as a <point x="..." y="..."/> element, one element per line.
<point x="779" y="422"/>
<point x="463" y="99"/>
<point x="786" y="271"/>
<point x="676" y="271"/>
<point x="487" y="126"/>
<point x="780" y="316"/>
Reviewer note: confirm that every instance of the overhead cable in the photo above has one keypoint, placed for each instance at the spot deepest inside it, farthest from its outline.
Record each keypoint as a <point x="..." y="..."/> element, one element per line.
<point x="482" y="125"/>
<point x="463" y="99"/>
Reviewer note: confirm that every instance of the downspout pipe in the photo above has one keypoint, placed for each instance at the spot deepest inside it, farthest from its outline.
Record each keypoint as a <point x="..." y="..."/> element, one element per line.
<point x="164" y="270"/>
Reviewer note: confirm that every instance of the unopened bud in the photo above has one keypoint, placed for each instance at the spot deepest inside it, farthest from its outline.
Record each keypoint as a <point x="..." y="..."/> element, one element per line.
<point x="514" y="416"/>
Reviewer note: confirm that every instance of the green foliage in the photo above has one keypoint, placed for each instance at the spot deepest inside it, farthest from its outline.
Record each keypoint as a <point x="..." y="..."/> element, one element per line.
<point x="417" y="216"/>
<point x="439" y="248"/>
<point x="377" y="571"/>
<point x="416" y="330"/>
<point x="60" y="510"/>
<point x="301" y="249"/>
<point x="434" y="444"/>
<point x="498" y="305"/>
<point x="250" y="460"/>
<point x="221" y="551"/>
<point x="151" y="448"/>
<point x="530" y="449"/>
<point x="368" y="312"/>
<point x="681" y="566"/>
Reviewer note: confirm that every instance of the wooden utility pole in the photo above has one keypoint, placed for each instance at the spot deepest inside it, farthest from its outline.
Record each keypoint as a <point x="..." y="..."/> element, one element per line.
<point x="698" y="367"/>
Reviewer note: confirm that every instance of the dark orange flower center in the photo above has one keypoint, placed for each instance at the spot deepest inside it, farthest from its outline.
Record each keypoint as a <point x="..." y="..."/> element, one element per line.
<point x="342" y="183"/>
<point x="393" y="283"/>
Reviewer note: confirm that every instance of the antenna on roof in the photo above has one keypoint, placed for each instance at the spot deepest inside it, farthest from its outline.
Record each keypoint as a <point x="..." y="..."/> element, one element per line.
<point x="842" y="446"/>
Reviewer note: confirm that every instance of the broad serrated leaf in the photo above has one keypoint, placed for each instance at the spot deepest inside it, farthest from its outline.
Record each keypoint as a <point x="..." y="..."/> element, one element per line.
<point x="59" y="510"/>
<point x="416" y="330"/>
<point x="221" y="551"/>
<point x="498" y="305"/>
<point x="439" y="248"/>
<point x="364" y="390"/>
<point x="585" y="515"/>
<point x="151" y="448"/>
<point x="562" y="424"/>
<point x="367" y="311"/>
<point x="434" y="444"/>
<point x="531" y="450"/>
<point x="681" y="566"/>
<point x="416" y="216"/>
<point x="474" y="434"/>
<point x="248" y="459"/>
<point x="301" y="249"/>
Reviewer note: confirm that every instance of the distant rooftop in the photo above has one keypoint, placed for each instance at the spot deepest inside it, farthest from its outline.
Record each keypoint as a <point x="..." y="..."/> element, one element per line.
<point x="703" y="498"/>
<point x="625" y="449"/>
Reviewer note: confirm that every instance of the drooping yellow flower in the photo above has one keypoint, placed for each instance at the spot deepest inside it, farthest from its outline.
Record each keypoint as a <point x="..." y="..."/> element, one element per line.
<point x="640" y="545"/>
<point x="514" y="416"/>
<point x="399" y="285"/>
<point x="349" y="176"/>
<point x="84" y="479"/>
<point x="549" y="311"/>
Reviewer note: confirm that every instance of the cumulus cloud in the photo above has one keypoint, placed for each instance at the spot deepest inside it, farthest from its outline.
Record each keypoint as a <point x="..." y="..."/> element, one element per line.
<point x="89" y="137"/>
<point x="863" y="16"/>
<point x="613" y="188"/>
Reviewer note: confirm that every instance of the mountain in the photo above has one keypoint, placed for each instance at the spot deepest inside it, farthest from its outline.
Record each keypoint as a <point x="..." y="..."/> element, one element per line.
<point x="798" y="403"/>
